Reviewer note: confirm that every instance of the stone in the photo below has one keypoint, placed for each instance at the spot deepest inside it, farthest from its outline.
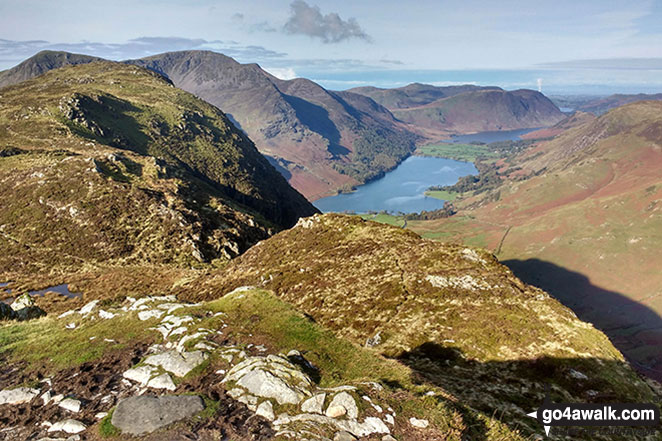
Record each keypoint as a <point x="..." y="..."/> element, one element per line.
<point x="89" y="307"/>
<point x="101" y="415"/>
<point x="70" y="404"/>
<point x="68" y="426"/>
<point x="265" y="384"/>
<point x="22" y="301"/>
<point x="266" y="410"/>
<point x="150" y="313"/>
<point x="271" y="377"/>
<point x="388" y="438"/>
<point x="314" y="404"/>
<point x="66" y="314"/>
<point x="46" y="397"/>
<point x="419" y="423"/>
<point x="145" y="414"/>
<point x="370" y="426"/>
<point x="70" y="326"/>
<point x="19" y="395"/>
<point x="140" y="374"/>
<point x="374" y="341"/>
<point x="29" y="313"/>
<point x="6" y="312"/>
<point x="389" y="419"/>
<point x="163" y="381"/>
<point x="344" y="436"/>
<point x="346" y="401"/>
<point x="177" y="363"/>
<point x="335" y="411"/>
<point x="105" y="314"/>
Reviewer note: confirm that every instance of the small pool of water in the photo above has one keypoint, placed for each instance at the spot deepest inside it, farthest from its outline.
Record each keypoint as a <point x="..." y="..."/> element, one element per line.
<point x="63" y="290"/>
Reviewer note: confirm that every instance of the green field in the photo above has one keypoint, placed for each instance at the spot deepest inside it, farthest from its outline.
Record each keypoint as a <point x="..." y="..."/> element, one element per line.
<point x="442" y="194"/>
<point x="459" y="152"/>
<point x="383" y="218"/>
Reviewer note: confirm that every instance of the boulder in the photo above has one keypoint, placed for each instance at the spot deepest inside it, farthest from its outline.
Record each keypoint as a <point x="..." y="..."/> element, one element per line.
<point x="344" y="436"/>
<point x="345" y="401"/>
<point x="177" y="363"/>
<point x="419" y="423"/>
<point x="163" y="381"/>
<point x="266" y="410"/>
<point x="140" y="374"/>
<point x="70" y="404"/>
<point x="271" y="377"/>
<point x="22" y="301"/>
<point x="19" y="395"/>
<point x="29" y="313"/>
<point x="145" y="414"/>
<point x="6" y="312"/>
<point x="88" y="307"/>
<point x="68" y="426"/>
<point x="314" y="404"/>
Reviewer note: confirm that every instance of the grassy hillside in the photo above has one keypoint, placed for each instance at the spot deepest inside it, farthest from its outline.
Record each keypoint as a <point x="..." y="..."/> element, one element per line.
<point x="584" y="225"/>
<point x="451" y="313"/>
<point x="110" y="163"/>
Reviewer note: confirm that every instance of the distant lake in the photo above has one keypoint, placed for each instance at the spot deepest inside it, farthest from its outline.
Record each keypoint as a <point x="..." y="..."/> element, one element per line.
<point x="488" y="137"/>
<point x="402" y="189"/>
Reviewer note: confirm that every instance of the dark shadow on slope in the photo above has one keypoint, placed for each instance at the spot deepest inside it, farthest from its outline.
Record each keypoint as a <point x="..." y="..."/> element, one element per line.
<point x="317" y="119"/>
<point x="621" y="318"/>
<point x="279" y="167"/>
<point x="494" y="388"/>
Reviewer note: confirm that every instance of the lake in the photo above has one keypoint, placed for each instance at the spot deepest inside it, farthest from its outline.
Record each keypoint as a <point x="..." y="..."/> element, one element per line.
<point x="488" y="137"/>
<point x="402" y="189"/>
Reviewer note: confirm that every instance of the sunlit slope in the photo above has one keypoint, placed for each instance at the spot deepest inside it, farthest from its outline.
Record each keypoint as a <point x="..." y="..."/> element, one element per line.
<point x="591" y="221"/>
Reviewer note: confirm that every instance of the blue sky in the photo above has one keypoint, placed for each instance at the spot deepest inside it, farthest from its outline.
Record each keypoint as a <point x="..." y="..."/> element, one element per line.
<point x="568" y="44"/>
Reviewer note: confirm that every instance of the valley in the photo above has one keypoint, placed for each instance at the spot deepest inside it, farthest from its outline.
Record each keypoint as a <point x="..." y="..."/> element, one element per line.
<point x="193" y="248"/>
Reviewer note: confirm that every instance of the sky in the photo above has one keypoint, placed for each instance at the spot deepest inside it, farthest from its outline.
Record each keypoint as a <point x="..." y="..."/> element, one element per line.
<point x="569" y="45"/>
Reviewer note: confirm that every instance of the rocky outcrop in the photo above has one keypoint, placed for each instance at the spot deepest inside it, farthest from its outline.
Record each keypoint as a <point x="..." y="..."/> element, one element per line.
<point x="145" y="414"/>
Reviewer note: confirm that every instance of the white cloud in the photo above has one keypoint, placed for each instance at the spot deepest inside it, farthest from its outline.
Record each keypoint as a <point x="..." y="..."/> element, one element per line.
<point x="283" y="73"/>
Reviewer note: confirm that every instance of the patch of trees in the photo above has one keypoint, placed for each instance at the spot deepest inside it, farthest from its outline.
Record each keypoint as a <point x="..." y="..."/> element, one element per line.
<point x="375" y="152"/>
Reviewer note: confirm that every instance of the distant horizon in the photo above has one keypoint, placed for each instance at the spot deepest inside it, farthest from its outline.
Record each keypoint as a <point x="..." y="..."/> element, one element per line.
<point x="593" y="46"/>
<point x="566" y="79"/>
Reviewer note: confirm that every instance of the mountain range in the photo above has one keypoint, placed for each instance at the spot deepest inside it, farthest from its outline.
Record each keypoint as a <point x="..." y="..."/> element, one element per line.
<point x="324" y="141"/>
<point x="438" y="111"/>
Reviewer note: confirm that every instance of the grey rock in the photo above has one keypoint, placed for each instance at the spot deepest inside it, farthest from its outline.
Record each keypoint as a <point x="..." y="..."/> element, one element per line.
<point x="271" y="377"/>
<point x="344" y="436"/>
<point x="314" y="404"/>
<point x="266" y="410"/>
<point x="68" y="426"/>
<point x="419" y="423"/>
<point x="163" y="381"/>
<point x="22" y="301"/>
<point x="177" y="363"/>
<point x="145" y="414"/>
<point x="346" y="401"/>
<point x="88" y="307"/>
<point x="70" y="404"/>
<point x="140" y="374"/>
<point x="19" y="395"/>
